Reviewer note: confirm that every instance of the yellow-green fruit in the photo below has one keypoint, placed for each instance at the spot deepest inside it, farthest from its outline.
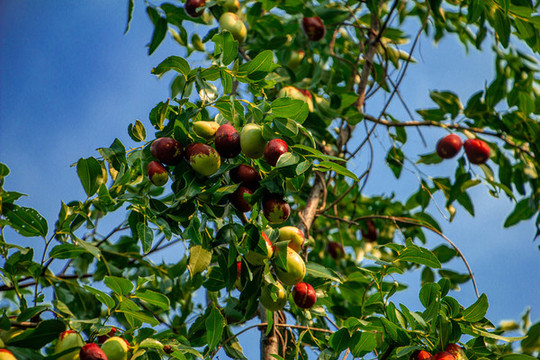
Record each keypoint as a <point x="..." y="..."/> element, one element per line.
<point x="232" y="23"/>
<point x="295" y="59"/>
<point x="254" y="258"/>
<point x="293" y="235"/>
<point x="205" y="129"/>
<point x="203" y="159"/>
<point x="5" y="354"/>
<point x="252" y="142"/>
<point x="231" y="5"/>
<point x="67" y="340"/>
<point x="271" y="304"/>
<point x="296" y="269"/>
<point x="197" y="43"/>
<point x="115" y="348"/>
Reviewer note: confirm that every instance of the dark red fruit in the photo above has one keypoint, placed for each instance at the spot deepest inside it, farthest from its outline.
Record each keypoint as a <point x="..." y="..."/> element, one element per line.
<point x="313" y="28"/>
<point x="92" y="351"/>
<point x="456" y="351"/>
<point x="246" y="175"/>
<point x="191" y="7"/>
<point x="335" y="250"/>
<point x="370" y="234"/>
<point x="238" y="200"/>
<point x="273" y="150"/>
<point x="477" y="151"/>
<point x="157" y="173"/>
<point x="448" y="146"/>
<point x="421" y="355"/>
<point x="167" y="349"/>
<point x="304" y="295"/>
<point x="167" y="150"/>
<point x="275" y="209"/>
<point x="443" y="355"/>
<point x="227" y="141"/>
<point x="101" y="338"/>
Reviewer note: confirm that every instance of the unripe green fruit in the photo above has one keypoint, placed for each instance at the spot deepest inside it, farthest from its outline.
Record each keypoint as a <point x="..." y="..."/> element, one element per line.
<point x="296" y="269"/>
<point x="205" y="129"/>
<point x="252" y="142"/>
<point x="255" y="258"/>
<point x="231" y="22"/>
<point x="293" y="235"/>
<point x="5" y="354"/>
<point x="67" y="340"/>
<point x="231" y="5"/>
<point x="271" y="304"/>
<point x="295" y="59"/>
<point x="203" y="159"/>
<point x="115" y="348"/>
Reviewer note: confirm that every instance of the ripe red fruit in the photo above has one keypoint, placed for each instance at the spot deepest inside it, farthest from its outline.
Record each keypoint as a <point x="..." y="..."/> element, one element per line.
<point x="167" y="150"/>
<point x="275" y="209"/>
<point x="167" y="349"/>
<point x="335" y="250"/>
<point x="204" y="159"/>
<point x="456" y="351"/>
<point x="443" y="355"/>
<point x="371" y="233"/>
<point x="448" y="146"/>
<point x="227" y="141"/>
<point x="246" y="175"/>
<point x="157" y="173"/>
<point x="191" y="7"/>
<point x="92" y="351"/>
<point x="477" y="151"/>
<point x="313" y="28"/>
<point x="238" y="200"/>
<point x="421" y="355"/>
<point x="273" y="150"/>
<point x="304" y="295"/>
<point x="102" y="338"/>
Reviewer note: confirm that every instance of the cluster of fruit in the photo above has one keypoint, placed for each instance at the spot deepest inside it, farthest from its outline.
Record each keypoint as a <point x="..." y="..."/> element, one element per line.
<point x="206" y="161"/>
<point x="451" y="352"/>
<point x="303" y="293"/>
<point x="313" y="26"/>
<point x="477" y="151"/>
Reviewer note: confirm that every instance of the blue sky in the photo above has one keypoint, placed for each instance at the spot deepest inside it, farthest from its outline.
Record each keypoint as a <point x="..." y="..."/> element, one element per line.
<point x="71" y="82"/>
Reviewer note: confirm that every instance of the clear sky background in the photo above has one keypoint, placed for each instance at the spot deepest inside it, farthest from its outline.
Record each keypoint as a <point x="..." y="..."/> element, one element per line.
<point x="71" y="82"/>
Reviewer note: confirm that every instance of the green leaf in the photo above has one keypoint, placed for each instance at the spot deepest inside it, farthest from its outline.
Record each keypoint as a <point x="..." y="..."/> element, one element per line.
<point x="394" y="334"/>
<point x="362" y="342"/>
<point x="429" y="293"/>
<point x="319" y="271"/>
<point x="199" y="259"/>
<point x="429" y="159"/>
<point x="262" y="62"/>
<point x="131" y="5"/>
<point x="43" y="334"/>
<point x="134" y="315"/>
<point x="447" y="101"/>
<point x="228" y="46"/>
<point x="522" y="211"/>
<point x="419" y="255"/>
<point x="27" y="221"/>
<point x="339" y="169"/>
<point x="146" y="235"/>
<point x="91" y="175"/>
<point x="395" y="159"/>
<point x="340" y="340"/>
<point x="136" y="131"/>
<point x="115" y="154"/>
<point x="67" y="251"/>
<point x="4" y="170"/>
<point x="476" y="311"/>
<point x="214" y="327"/>
<point x="102" y="297"/>
<point x="175" y="63"/>
<point x="31" y="312"/>
<point x="495" y="336"/>
<point x="517" y="357"/>
<point x="286" y="126"/>
<point x="154" y="298"/>
<point x="118" y="285"/>
<point x="294" y="109"/>
<point x="160" y="30"/>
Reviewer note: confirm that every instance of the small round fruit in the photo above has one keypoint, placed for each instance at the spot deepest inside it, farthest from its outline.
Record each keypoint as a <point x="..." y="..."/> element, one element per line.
<point x="335" y="250"/>
<point x="245" y="175"/>
<point x="456" y="351"/>
<point x="192" y="7"/>
<point x="370" y="234"/>
<point x="477" y="151"/>
<point x="448" y="146"/>
<point x="313" y="28"/>
<point x="157" y="173"/>
<point x="421" y="355"/>
<point x="203" y="159"/>
<point x="205" y="129"/>
<point x="304" y="295"/>
<point x="252" y="142"/>
<point x="167" y="349"/>
<point x="295" y="59"/>
<point x="116" y="348"/>
<point x="296" y="269"/>
<point x="231" y="5"/>
<point x="293" y="235"/>
<point x="92" y="351"/>
<point x="166" y="150"/>
<point x="227" y="141"/>
<point x="238" y="201"/>
<point x="443" y="355"/>
<point x="231" y="22"/>
<point x="273" y="150"/>
<point x="271" y="304"/>
<point x="5" y="354"/>
<point x="275" y="209"/>
<point x="67" y="340"/>
<point x="254" y="258"/>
